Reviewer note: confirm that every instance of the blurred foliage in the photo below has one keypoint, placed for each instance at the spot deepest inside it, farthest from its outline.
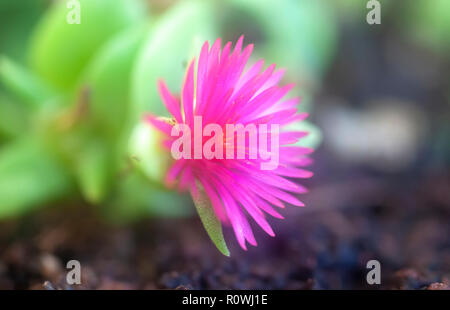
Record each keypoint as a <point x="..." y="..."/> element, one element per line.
<point x="428" y="22"/>
<point x="29" y="175"/>
<point x="176" y="37"/>
<point x="72" y="95"/>
<point x="59" y="51"/>
<point x="17" y="21"/>
<point x="296" y="34"/>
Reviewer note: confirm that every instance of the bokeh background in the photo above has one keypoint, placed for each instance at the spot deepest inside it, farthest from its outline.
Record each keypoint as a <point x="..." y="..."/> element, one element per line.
<point x="80" y="176"/>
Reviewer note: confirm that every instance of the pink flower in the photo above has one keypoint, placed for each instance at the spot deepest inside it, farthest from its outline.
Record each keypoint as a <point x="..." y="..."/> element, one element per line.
<point x="222" y="92"/>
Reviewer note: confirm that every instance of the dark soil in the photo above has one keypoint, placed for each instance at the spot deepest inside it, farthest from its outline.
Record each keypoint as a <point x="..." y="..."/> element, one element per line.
<point x="323" y="246"/>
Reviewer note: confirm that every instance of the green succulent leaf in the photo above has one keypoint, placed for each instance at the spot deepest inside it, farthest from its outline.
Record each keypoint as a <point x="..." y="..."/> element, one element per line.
<point x="23" y="84"/>
<point x="12" y="118"/>
<point x="29" y="177"/>
<point x="108" y="78"/>
<point x="147" y="154"/>
<point x="60" y="50"/>
<point x="167" y="51"/>
<point x="94" y="171"/>
<point x="209" y="219"/>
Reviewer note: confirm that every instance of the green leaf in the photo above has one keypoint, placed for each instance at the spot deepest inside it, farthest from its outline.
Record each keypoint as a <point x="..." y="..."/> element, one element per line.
<point x="108" y="78"/>
<point x="145" y="148"/>
<point x="209" y="219"/>
<point x="60" y="51"/>
<point x="167" y="51"/>
<point x="29" y="177"/>
<point x="12" y="119"/>
<point x="94" y="170"/>
<point x="22" y="83"/>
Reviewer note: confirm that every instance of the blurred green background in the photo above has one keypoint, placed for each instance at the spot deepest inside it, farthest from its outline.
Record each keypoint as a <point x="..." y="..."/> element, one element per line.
<point x="72" y="95"/>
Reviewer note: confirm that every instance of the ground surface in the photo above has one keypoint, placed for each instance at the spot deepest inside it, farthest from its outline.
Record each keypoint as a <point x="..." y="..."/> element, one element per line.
<point x="315" y="248"/>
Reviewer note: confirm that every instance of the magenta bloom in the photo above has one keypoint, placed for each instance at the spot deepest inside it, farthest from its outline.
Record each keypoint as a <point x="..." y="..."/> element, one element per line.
<point x="222" y="92"/>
